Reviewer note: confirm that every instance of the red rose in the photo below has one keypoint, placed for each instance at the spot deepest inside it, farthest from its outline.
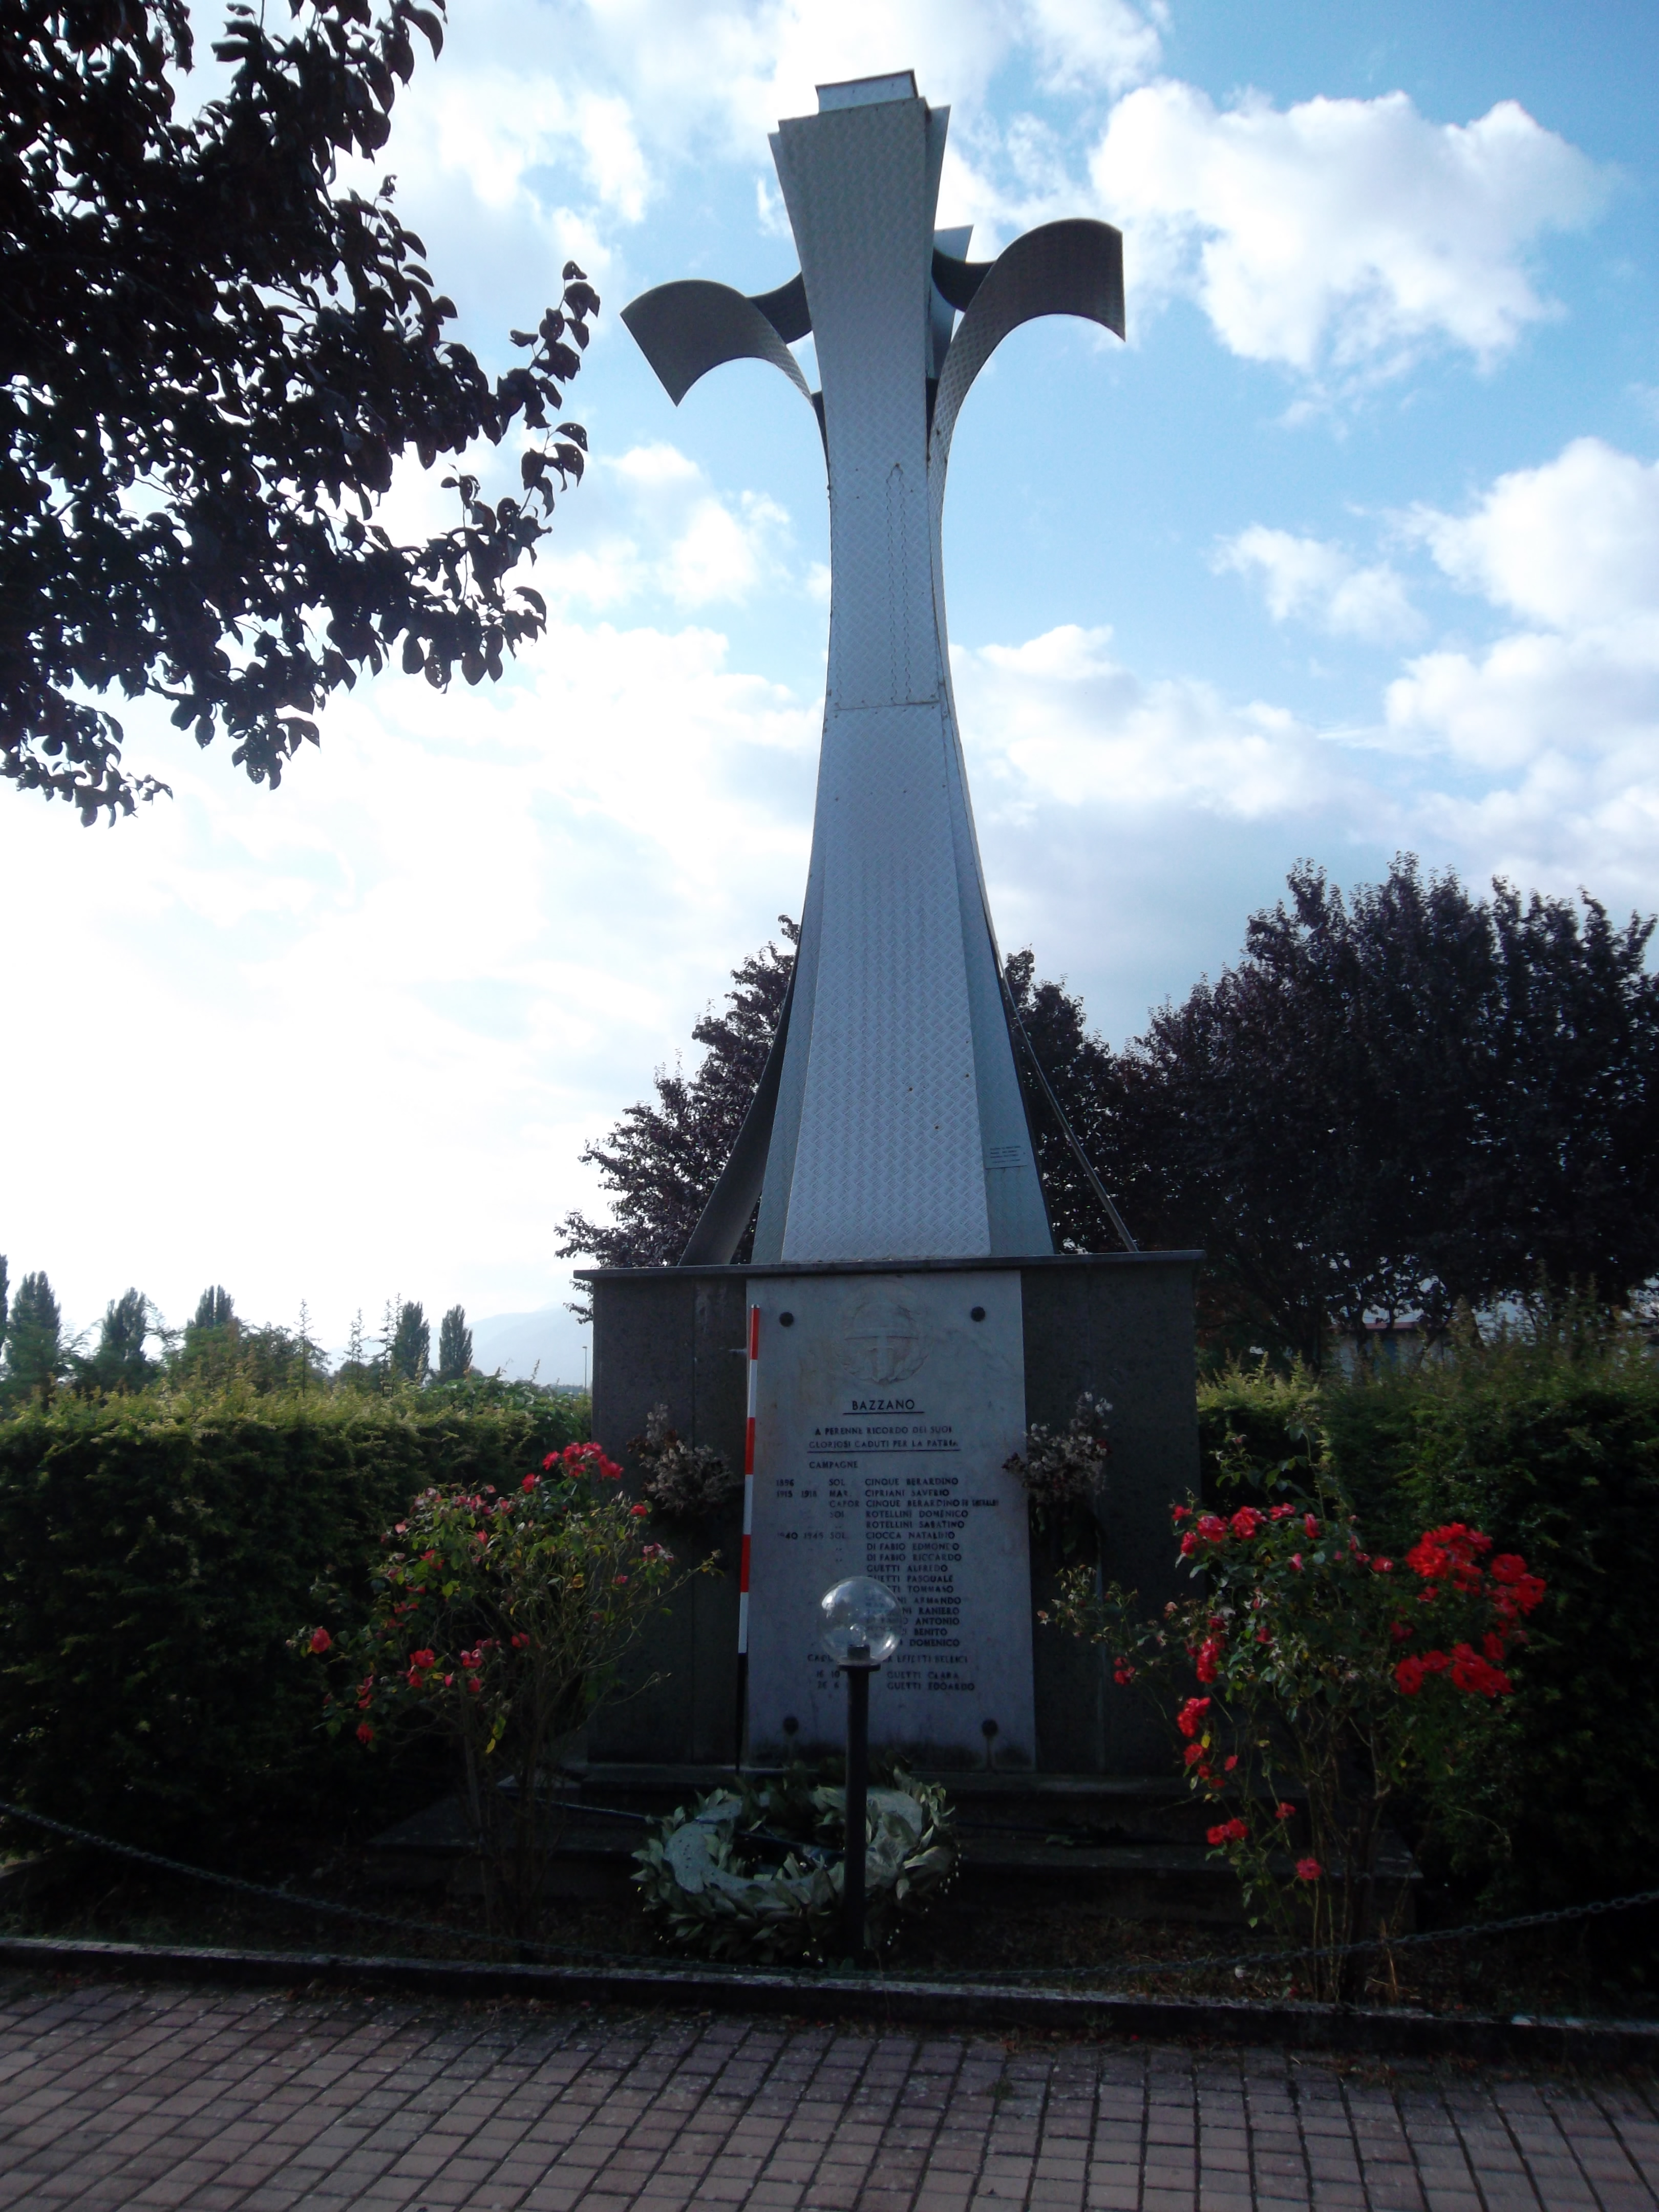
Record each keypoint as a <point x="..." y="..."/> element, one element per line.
<point x="639" y="1511"/>
<point x="1227" y="1832"/>
<point x="1245" y="1521"/>
<point x="1308" y="1870"/>
<point x="365" y="1733"/>
<point x="1284" y="1812"/>
<point x="1310" y="1524"/>
<point x="1470" y="1672"/>
<point x="1191" y="1714"/>
<point x="321" y="1641"/>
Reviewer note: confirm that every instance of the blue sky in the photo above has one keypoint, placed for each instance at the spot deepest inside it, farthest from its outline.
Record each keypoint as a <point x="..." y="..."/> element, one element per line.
<point x="1353" y="548"/>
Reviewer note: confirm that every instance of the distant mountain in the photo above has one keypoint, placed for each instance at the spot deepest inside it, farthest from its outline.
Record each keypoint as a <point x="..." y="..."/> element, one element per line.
<point x="545" y="1345"/>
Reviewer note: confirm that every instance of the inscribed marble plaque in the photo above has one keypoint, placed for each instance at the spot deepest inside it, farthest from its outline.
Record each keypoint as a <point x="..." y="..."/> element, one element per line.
<point x="884" y="1413"/>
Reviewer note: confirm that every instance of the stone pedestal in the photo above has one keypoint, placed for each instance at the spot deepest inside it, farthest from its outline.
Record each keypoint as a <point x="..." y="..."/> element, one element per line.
<point x="919" y="1499"/>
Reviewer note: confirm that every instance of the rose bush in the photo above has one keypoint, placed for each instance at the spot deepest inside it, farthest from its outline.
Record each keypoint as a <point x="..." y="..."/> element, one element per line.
<point x="1545" y="1434"/>
<point x="1328" y="1676"/>
<point x="498" y="1618"/>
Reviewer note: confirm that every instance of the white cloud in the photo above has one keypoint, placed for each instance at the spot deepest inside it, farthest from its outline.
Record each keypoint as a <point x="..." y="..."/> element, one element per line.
<point x="352" y="1035"/>
<point x="1308" y="580"/>
<point x="1574" y="545"/>
<point x="1531" y="694"/>
<point x="1059" y="721"/>
<point x="1566" y="709"/>
<point x="1344" y="233"/>
<point x="1335" y="236"/>
<point x="651" y="524"/>
<point x="670" y="82"/>
<point x="1083" y="44"/>
<point x="706" y="73"/>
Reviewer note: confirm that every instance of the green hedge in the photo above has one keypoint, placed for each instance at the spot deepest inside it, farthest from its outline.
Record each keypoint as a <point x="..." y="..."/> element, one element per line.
<point x="155" y="1554"/>
<point x="1554" y="1451"/>
<point x="1550" y="1444"/>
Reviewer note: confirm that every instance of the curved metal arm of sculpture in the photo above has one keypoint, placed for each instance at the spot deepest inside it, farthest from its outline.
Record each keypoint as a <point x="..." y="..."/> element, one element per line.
<point x="955" y="280"/>
<point x="685" y="329"/>
<point x="1070" y="268"/>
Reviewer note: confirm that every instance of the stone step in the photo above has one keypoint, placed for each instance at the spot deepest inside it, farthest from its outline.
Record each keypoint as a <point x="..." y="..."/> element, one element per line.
<point x="1134" y="1847"/>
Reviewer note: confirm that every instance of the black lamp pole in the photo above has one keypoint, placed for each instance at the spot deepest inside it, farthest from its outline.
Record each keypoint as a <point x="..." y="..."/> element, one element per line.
<point x="858" y="1669"/>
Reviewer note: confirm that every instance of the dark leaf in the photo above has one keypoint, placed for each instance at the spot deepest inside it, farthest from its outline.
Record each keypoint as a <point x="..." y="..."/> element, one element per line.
<point x="205" y="312"/>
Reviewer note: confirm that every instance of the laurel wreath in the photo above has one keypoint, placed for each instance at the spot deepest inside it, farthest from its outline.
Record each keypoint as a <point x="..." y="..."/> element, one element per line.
<point x="704" y="1879"/>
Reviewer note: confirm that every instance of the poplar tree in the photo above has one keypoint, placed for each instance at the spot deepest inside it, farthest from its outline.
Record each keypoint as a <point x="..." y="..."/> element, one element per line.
<point x="409" y="1350"/>
<point x="35" y="1340"/>
<point x="120" y="1362"/>
<point x="454" y="1346"/>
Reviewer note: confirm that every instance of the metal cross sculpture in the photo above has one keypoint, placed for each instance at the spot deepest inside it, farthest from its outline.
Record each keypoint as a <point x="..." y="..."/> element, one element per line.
<point x="889" y="1124"/>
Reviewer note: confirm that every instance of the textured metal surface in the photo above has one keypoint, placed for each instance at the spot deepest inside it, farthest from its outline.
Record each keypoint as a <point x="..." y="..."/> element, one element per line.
<point x="898" y="1130"/>
<point x="684" y="330"/>
<point x="1072" y="268"/>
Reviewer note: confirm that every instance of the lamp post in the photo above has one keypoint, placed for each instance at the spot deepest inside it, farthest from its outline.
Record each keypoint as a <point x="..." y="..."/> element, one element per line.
<point x="861" y="1633"/>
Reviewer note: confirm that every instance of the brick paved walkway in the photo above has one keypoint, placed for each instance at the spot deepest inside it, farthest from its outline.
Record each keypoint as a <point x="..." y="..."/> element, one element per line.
<point x="118" y="2097"/>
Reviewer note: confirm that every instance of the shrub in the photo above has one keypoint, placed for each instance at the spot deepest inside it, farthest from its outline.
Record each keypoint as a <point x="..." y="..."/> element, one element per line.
<point x="1551" y="1441"/>
<point x="1547" y="1436"/>
<point x="155" y="1553"/>
<point x="498" y="1619"/>
<point x="1330" y="1677"/>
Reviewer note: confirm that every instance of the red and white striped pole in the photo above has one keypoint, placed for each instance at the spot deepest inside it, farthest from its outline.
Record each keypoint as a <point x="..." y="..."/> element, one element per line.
<point x="748" y="1523"/>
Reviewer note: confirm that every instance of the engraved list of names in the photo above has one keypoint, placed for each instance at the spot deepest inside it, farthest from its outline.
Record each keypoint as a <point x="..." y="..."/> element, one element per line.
<point x="886" y="1407"/>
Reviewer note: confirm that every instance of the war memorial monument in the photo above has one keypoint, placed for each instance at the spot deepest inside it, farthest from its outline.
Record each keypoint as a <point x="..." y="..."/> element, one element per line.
<point x="904" y="1316"/>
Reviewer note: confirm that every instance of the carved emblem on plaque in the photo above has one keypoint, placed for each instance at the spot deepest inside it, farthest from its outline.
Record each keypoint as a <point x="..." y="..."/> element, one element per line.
<point x="883" y="1345"/>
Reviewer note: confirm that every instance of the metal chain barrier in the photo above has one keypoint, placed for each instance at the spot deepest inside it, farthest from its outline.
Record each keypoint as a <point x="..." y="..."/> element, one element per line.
<point x="288" y="1897"/>
<point x="1239" y="1961"/>
<point x="1234" y="1962"/>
